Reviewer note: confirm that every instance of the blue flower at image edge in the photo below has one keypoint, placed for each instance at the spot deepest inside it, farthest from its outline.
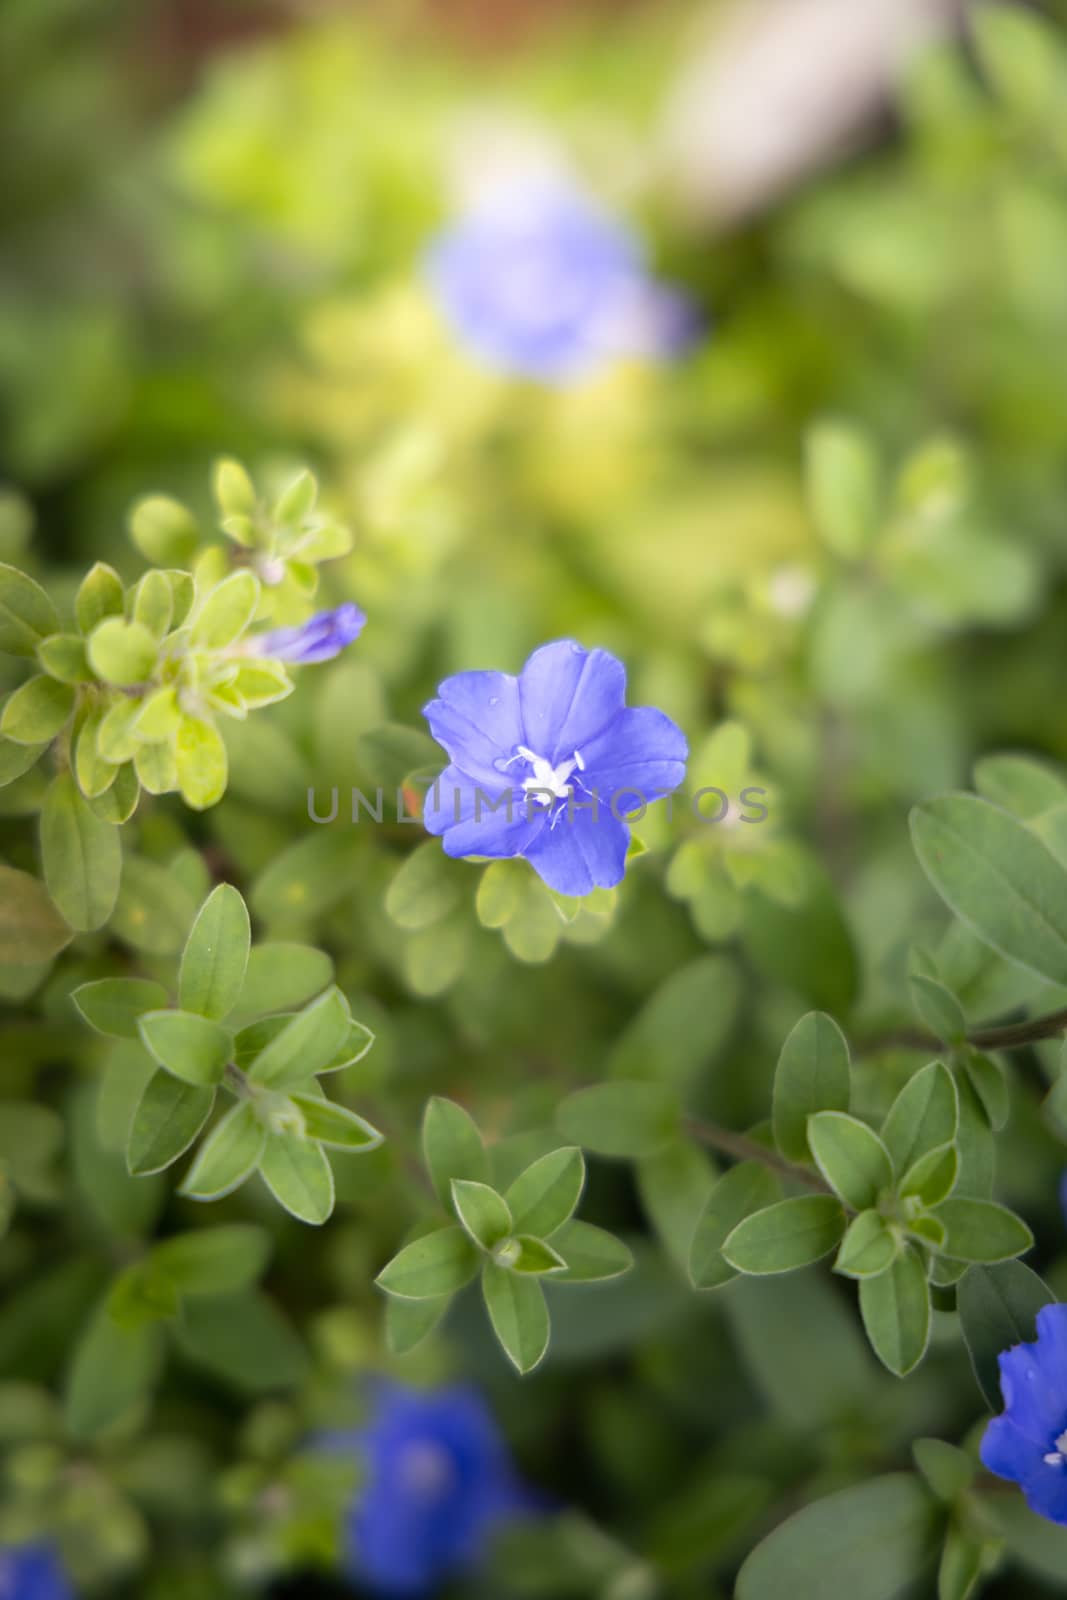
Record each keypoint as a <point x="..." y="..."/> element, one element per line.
<point x="545" y="285"/>
<point x="439" y="1482"/>
<point x="1027" y="1443"/>
<point x="530" y="754"/>
<point x="31" y="1572"/>
<point x="321" y="638"/>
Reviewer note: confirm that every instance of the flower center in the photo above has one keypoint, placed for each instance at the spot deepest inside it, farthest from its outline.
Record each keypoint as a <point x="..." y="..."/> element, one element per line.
<point x="427" y="1469"/>
<point x="1055" y="1458"/>
<point x="546" y="782"/>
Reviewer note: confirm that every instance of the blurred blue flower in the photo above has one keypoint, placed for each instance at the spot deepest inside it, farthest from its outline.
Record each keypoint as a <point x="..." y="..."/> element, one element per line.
<point x="1027" y="1443"/>
<point x="544" y="284"/>
<point x="321" y="638"/>
<point x="32" y="1572"/>
<point x="577" y="761"/>
<point x="439" y="1483"/>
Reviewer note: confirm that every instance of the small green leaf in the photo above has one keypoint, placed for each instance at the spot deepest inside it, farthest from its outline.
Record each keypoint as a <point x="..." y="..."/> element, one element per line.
<point x="437" y="1264"/>
<point x="673" y="1185"/>
<point x="226" y="612"/>
<point x="118" y="803"/>
<point x="164" y="531"/>
<point x="545" y="1195"/>
<point x="156" y="768"/>
<point x="981" y="1230"/>
<point x="409" y="1322"/>
<point x="1019" y="784"/>
<point x="168" y="1117"/>
<point x="813" y="1074"/>
<point x="623" y="1118"/>
<point x="524" y="1253"/>
<point x="998" y="878"/>
<point x="851" y="1157"/>
<point x="233" y="488"/>
<point x="335" y="1125"/>
<point x="228" y="1155"/>
<point x="261" y="683"/>
<point x="153" y="603"/>
<point x="519" y="1316"/>
<point x="116" y="739"/>
<point x="844" y="487"/>
<point x="123" y="653"/>
<point x="36" y="712"/>
<point x="159" y="716"/>
<point x="933" y="1177"/>
<point x="63" y="656"/>
<point x="215" y="958"/>
<point x="26" y="614"/>
<point x="95" y="775"/>
<point x="305" y="1045"/>
<point x="191" y="1047"/>
<point x="113" y="1369"/>
<point x="482" y="1212"/>
<point x="452" y="1147"/>
<point x="998" y="1307"/>
<point x="17" y="759"/>
<point x="200" y="763"/>
<point x="948" y="1470"/>
<point x="298" y="1175"/>
<point x="786" y="1236"/>
<point x="938" y="1007"/>
<point x="81" y="855"/>
<point x="114" y="1005"/>
<point x="425" y="888"/>
<point x="218" y="1260"/>
<point x="923" y="1117"/>
<point x="868" y="1247"/>
<point x="747" y="1188"/>
<point x="991" y="1084"/>
<point x="244" y="1339"/>
<point x="100" y="596"/>
<point x="297" y="500"/>
<point x="154" y="910"/>
<point x="592" y="1254"/>
<point x="31" y="929"/>
<point x="895" y="1307"/>
<point x="283" y="977"/>
<point x="962" y="1564"/>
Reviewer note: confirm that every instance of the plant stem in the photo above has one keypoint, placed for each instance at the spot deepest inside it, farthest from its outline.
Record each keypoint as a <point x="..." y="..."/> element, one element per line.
<point x="742" y="1148"/>
<point x="1011" y="1037"/>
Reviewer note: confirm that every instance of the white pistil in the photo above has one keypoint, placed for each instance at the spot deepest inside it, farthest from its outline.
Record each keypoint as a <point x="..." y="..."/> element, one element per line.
<point x="1055" y="1458"/>
<point x="549" y="782"/>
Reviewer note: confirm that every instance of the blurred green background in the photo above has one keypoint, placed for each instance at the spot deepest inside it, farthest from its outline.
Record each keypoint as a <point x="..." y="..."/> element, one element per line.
<point x="215" y="214"/>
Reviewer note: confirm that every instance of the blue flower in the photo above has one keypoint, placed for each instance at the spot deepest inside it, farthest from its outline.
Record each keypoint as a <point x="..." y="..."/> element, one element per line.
<point x="546" y="285"/>
<point x="324" y="636"/>
<point x="439" y="1483"/>
<point x="32" y="1572"/>
<point x="549" y="764"/>
<point x="1028" y="1442"/>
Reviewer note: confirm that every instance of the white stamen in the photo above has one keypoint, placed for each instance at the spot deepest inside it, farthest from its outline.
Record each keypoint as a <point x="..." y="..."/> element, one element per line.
<point x="1053" y="1460"/>
<point x="548" y="782"/>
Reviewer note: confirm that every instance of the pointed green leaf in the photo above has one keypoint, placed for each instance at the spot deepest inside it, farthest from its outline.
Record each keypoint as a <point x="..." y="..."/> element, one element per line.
<point x="113" y="1369"/>
<point x="482" y="1212"/>
<point x="409" y="1322"/>
<point x="747" y="1188"/>
<point x="437" y="1264"/>
<point x="923" y="1117"/>
<point x="813" y="1074"/>
<point x="283" y="977"/>
<point x="99" y="596"/>
<point x="851" y="1157"/>
<point x="26" y="613"/>
<point x="786" y="1236"/>
<point x="168" y="1117"/>
<point x="519" y="1316"/>
<point x="226" y="612"/>
<point x="298" y="1175"/>
<point x="81" y="855"/>
<point x="981" y="1230"/>
<point x="998" y="1307"/>
<point x="933" y="1177"/>
<point x="228" y="1155"/>
<point x="191" y="1047"/>
<point x="217" y="1260"/>
<point x="544" y="1197"/>
<point x="37" y="710"/>
<point x="113" y="1005"/>
<point x="624" y="1118"/>
<point x="895" y="1307"/>
<point x="153" y="603"/>
<point x="868" y="1247"/>
<point x="591" y="1254"/>
<point x="305" y="1045"/>
<point x="452" y="1147"/>
<point x="523" y="1253"/>
<point x="335" y="1125"/>
<point x="215" y="958"/>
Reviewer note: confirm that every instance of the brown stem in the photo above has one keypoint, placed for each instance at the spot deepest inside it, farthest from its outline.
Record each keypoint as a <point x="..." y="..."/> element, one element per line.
<point x="742" y="1148"/>
<point x="1011" y="1037"/>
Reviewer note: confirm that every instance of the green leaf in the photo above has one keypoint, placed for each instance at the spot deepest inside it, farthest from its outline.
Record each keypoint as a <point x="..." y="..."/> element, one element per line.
<point x="844" y="487"/>
<point x="63" y="656"/>
<point x="141" y="1295"/>
<point x="100" y="595"/>
<point x="785" y="1236"/>
<point x="94" y="775"/>
<point x="123" y="653"/>
<point x="851" y="1157"/>
<point x="154" y="911"/>
<point x="115" y="738"/>
<point x="673" y="1185"/>
<point x="1019" y="784"/>
<point x="218" y="1260"/>
<point x="998" y="878"/>
<point x="215" y="958"/>
<point x="868" y="1247"/>
<point x="525" y="1254"/>
<point x="298" y="1175"/>
<point x="305" y="1045"/>
<point x="153" y="603"/>
<point x="283" y="977"/>
<point x="244" y="1339"/>
<point x="998" y="1307"/>
<point x="947" y="1469"/>
<point x="408" y="1322"/>
<point x="482" y="1212"/>
<point x="113" y="1370"/>
<point x="747" y="1188"/>
<point x="425" y="889"/>
<point x="118" y="803"/>
<point x="114" y="1005"/>
<point x="872" y="1541"/>
<point x="26" y="613"/>
<point x="228" y="1155"/>
<point x="923" y="1117"/>
<point x="437" y="1264"/>
<point x="452" y="1147"/>
<point x="31" y="929"/>
<point x="164" y="531"/>
<point x="934" y="1176"/>
<point x="895" y="1307"/>
<point x="1021" y="54"/>
<point x="980" y="1230"/>
<point x="37" y="710"/>
<point x="156" y="768"/>
<point x="201" y="763"/>
<point x="159" y="716"/>
<point x="191" y="1047"/>
<point x="545" y="1195"/>
<point x="81" y="856"/>
<point x="813" y="1074"/>
<point x="938" y="1007"/>
<point x="17" y="759"/>
<point x="335" y="1125"/>
<point x="168" y="1117"/>
<point x="226" y="612"/>
<point x="591" y="1254"/>
<point x="519" y="1316"/>
<point x="233" y="489"/>
<point x="625" y="1118"/>
<point x="991" y="1084"/>
<point x="962" y="1564"/>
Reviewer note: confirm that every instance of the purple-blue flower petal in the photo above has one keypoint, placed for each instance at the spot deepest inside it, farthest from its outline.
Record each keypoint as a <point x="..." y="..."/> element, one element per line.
<point x="1025" y="1443"/>
<point x="473" y="819"/>
<point x="568" y="695"/>
<point x="321" y="638"/>
<point x="477" y="718"/>
<point x="32" y="1572"/>
<point x="641" y="749"/>
<point x="578" y="853"/>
